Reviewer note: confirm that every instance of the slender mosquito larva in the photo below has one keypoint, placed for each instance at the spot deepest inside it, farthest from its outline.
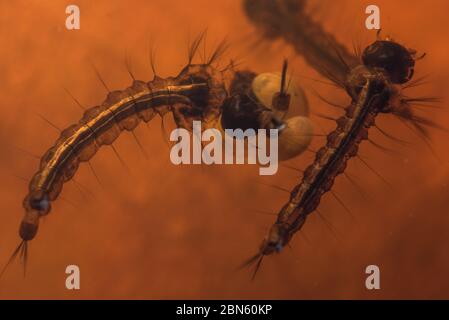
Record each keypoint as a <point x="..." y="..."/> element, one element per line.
<point x="373" y="85"/>
<point x="198" y="93"/>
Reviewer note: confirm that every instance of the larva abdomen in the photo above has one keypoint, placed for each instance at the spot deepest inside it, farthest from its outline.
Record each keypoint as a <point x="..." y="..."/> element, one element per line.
<point x="145" y="114"/>
<point x="109" y="132"/>
<point x="88" y="151"/>
<point x="56" y="187"/>
<point x="199" y="88"/>
<point x="71" y="168"/>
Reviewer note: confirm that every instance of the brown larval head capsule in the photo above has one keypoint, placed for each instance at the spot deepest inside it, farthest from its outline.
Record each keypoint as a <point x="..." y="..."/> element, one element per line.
<point x="395" y="59"/>
<point x="242" y="110"/>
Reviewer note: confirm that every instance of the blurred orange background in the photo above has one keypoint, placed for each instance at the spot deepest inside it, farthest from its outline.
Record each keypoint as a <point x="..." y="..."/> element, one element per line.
<point x="180" y="232"/>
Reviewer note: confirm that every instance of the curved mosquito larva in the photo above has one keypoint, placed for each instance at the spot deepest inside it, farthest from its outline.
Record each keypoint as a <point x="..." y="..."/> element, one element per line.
<point x="196" y="93"/>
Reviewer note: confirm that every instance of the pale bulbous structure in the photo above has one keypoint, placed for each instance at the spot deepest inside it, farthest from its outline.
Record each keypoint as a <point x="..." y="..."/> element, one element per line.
<point x="295" y="137"/>
<point x="266" y="85"/>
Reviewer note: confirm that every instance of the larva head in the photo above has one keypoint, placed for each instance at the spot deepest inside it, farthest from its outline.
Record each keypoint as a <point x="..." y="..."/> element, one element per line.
<point x="238" y="114"/>
<point x="395" y="59"/>
<point x="275" y="240"/>
<point x="242" y="110"/>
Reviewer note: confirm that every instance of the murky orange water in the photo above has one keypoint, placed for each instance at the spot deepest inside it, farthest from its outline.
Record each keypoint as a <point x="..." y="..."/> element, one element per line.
<point x="179" y="232"/>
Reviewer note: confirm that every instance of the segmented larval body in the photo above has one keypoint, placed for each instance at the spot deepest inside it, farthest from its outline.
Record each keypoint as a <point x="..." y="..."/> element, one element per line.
<point x="370" y="94"/>
<point x="197" y="93"/>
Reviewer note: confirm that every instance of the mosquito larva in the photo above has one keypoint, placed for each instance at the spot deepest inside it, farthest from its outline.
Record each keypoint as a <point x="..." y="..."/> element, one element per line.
<point x="373" y="85"/>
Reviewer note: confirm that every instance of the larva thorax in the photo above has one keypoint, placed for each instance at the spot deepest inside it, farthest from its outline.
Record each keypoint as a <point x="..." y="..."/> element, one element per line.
<point x="197" y="93"/>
